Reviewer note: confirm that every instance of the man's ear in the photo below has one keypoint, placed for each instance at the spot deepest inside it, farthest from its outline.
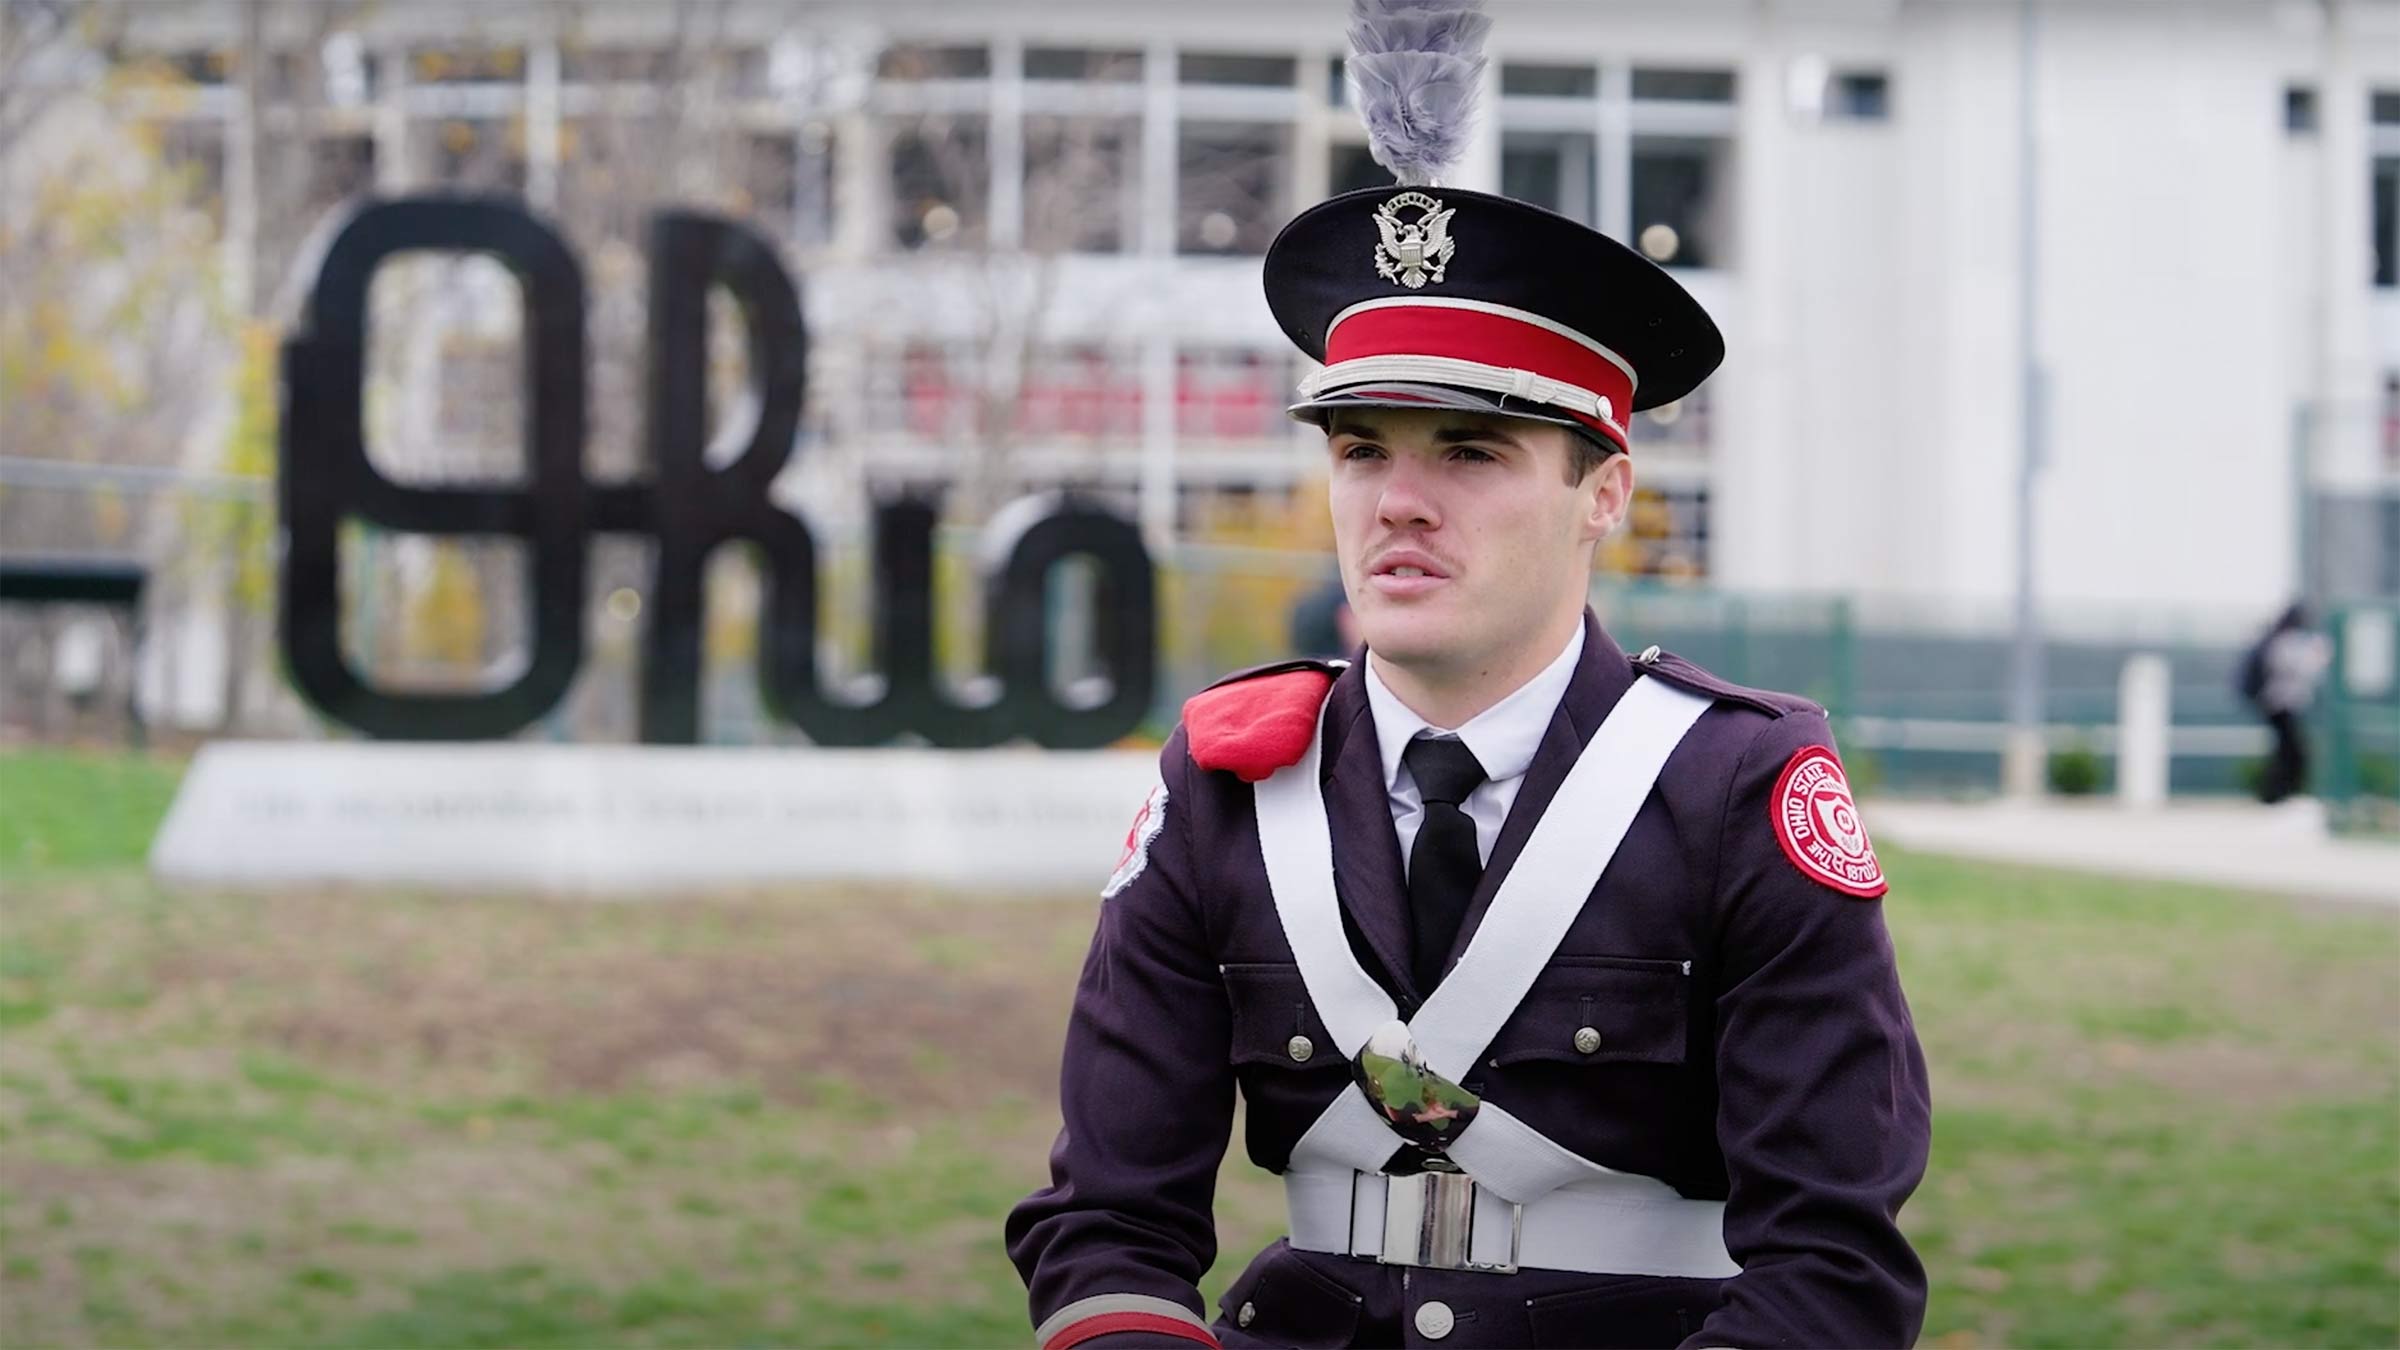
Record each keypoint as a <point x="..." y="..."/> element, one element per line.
<point x="1611" y="486"/>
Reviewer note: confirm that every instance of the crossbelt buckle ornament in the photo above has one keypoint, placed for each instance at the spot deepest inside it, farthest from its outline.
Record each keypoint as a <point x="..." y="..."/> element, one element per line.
<point x="1429" y="1220"/>
<point x="1420" y="1105"/>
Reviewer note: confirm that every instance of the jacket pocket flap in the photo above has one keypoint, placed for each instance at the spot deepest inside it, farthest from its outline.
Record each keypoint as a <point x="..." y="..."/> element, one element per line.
<point x="1284" y="1300"/>
<point x="1638" y="1310"/>
<point x="1600" y="1010"/>
<point x="1273" y="1020"/>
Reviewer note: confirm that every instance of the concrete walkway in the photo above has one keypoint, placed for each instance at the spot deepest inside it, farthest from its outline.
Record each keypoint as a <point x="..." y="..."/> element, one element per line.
<point x="2284" y="849"/>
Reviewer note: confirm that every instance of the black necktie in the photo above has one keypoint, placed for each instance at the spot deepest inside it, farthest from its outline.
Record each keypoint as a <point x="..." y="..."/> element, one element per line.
<point x="1443" y="865"/>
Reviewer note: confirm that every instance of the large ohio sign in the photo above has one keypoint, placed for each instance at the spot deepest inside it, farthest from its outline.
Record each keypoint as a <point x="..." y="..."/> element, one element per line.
<point x="684" y="504"/>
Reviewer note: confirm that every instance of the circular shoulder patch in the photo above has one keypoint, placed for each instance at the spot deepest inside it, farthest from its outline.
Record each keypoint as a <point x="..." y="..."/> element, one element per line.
<point x="1147" y="822"/>
<point x="1817" y="823"/>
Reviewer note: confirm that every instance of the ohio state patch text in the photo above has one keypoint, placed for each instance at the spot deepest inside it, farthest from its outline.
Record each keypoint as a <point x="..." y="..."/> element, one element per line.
<point x="1817" y="823"/>
<point x="1147" y="822"/>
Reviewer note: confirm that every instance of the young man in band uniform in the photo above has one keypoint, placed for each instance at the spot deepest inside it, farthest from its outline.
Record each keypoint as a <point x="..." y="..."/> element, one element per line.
<point x="1554" y="979"/>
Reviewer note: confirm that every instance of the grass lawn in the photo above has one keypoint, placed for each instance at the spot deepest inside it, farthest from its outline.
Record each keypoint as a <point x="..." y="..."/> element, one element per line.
<point x="64" y="808"/>
<point x="2164" y="1116"/>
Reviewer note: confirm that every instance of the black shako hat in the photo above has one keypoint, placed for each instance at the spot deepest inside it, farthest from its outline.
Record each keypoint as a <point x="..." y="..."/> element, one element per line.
<point x="1437" y="297"/>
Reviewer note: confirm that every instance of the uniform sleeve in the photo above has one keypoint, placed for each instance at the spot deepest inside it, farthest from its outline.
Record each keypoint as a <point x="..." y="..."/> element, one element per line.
<point x="1823" y="1113"/>
<point x="1112" y="1250"/>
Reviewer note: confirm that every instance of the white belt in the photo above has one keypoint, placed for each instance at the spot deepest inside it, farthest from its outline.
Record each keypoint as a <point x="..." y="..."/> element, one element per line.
<point x="1618" y="1224"/>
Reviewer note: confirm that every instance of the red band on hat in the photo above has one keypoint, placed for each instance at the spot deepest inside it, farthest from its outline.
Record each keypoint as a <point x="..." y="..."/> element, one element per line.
<point x="1494" y="339"/>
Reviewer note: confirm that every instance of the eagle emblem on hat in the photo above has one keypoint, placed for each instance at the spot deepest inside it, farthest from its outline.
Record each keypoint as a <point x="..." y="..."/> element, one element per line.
<point x="1413" y="252"/>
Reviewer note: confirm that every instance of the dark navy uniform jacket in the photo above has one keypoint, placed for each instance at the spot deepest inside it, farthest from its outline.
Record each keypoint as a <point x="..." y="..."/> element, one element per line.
<point x="1756" y="1048"/>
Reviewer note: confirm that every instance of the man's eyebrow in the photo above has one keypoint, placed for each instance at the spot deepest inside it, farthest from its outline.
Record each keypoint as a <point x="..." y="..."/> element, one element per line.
<point x="1445" y="436"/>
<point x="1454" y="435"/>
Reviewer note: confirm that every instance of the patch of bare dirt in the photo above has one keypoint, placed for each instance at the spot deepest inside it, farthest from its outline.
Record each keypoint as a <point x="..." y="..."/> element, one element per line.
<point x="917" y="1003"/>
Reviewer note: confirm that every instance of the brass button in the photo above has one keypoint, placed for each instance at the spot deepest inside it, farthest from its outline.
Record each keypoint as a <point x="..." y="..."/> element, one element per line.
<point x="1434" y="1320"/>
<point x="1246" y="1316"/>
<point x="1299" y="1048"/>
<point x="1587" y="1039"/>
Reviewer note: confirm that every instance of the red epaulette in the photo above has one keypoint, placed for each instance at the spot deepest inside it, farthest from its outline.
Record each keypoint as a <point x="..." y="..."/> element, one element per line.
<point x="1258" y="721"/>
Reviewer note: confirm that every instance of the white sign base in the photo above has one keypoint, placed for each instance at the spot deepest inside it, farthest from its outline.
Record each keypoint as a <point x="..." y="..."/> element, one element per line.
<point x="608" y="818"/>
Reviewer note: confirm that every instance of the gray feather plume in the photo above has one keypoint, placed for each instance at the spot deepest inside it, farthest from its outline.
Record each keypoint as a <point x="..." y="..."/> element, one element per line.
<point x="1416" y="66"/>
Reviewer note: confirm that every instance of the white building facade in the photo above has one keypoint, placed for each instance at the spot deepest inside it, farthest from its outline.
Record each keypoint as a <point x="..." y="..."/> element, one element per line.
<point x="1066" y="202"/>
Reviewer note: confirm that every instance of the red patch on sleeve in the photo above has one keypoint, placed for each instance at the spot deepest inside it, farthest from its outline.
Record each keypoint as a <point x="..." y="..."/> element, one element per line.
<point x="1255" y="727"/>
<point x="1817" y="823"/>
<point x="1147" y="822"/>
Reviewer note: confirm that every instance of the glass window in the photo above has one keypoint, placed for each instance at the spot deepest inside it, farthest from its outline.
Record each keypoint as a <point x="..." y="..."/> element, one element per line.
<point x="1337" y="83"/>
<point x="788" y="67"/>
<point x="202" y="67"/>
<point x="310" y="174"/>
<point x="1684" y="86"/>
<point x="2387" y="220"/>
<point x="194" y="152"/>
<point x="1672" y="525"/>
<point x="477" y="152"/>
<point x="1681" y="428"/>
<point x="477" y="414"/>
<point x="1230" y="186"/>
<point x="2383" y="108"/>
<point x="1552" y="169"/>
<point x="1549" y="81"/>
<point x="767" y="180"/>
<point x="1081" y="64"/>
<point x="2300" y="109"/>
<point x="1236" y="68"/>
<point x="609" y="168"/>
<point x="1352" y="167"/>
<point x="339" y="167"/>
<point x="582" y="64"/>
<point x="1666" y="535"/>
<point x="1682" y="199"/>
<point x="1083" y="391"/>
<point x="941" y="176"/>
<point x="812" y="185"/>
<point x="1232" y="393"/>
<point x="1860" y="96"/>
<point x="924" y="389"/>
<point x="1082" y="183"/>
<point x="2391" y="421"/>
<point x="491" y="65"/>
<point x="291" y="74"/>
<point x="914" y="62"/>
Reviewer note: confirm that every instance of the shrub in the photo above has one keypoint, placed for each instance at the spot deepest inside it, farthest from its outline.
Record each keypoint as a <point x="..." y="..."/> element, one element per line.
<point x="2075" y="771"/>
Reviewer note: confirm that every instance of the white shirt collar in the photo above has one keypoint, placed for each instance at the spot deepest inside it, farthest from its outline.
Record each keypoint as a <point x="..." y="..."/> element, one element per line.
<point x="1503" y="737"/>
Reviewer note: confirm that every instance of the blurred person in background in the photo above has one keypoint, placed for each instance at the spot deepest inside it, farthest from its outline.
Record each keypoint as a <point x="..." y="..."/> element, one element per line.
<point x="1553" y="978"/>
<point x="2279" y="675"/>
<point x="1322" y="624"/>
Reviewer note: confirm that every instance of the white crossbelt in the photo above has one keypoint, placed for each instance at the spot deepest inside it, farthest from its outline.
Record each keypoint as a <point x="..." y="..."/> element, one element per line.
<point x="1512" y="1164"/>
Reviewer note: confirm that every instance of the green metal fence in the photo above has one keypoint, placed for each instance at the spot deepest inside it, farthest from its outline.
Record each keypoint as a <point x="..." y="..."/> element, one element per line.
<point x="2357" y="721"/>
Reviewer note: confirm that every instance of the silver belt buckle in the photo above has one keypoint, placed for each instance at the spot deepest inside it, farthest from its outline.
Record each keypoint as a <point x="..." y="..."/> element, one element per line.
<point x="1429" y="1220"/>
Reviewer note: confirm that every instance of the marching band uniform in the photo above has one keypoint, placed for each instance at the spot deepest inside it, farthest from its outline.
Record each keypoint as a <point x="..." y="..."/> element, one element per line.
<point x="1717" y="1017"/>
<point x="1660" y="1085"/>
